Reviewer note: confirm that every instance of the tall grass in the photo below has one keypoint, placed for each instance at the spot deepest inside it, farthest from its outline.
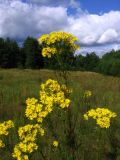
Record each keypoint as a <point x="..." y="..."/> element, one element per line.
<point x="16" y="85"/>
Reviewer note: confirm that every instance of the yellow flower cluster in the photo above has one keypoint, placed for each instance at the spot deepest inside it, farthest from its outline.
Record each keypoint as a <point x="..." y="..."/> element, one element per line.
<point x="5" y="126"/>
<point x="48" y="51"/>
<point x="4" y="130"/>
<point x="2" y="145"/>
<point x="101" y="115"/>
<point x="29" y="132"/>
<point x="22" y="149"/>
<point x="18" y="154"/>
<point x="51" y="94"/>
<point x="55" y="41"/>
<point x="27" y="135"/>
<point x="34" y="110"/>
<point x="87" y="94"/>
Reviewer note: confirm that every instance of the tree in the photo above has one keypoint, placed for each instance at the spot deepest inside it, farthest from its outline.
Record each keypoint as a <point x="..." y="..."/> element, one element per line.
<point x="110" y="63"/>
<point x="22" y="59"/>
<point x="91" y="61"/>
<point x="2" y="50"/>
<point x="9" y="53"/>
<point x="32" y="53"/>
<point x="79" y="62"/>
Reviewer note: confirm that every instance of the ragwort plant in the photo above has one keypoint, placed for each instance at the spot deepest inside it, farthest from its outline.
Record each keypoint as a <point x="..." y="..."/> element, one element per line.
<point x="58" y="43"/>
<point x="52" y="139"/>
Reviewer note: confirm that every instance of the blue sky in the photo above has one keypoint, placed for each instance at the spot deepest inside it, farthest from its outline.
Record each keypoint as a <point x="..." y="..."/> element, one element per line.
<point x="100" y="6"/>
<point x="96" y="23"/>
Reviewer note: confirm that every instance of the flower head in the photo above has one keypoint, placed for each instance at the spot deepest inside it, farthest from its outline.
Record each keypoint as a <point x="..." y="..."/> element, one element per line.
<point x="55" y="143"/>
<point x="87" y="93"/>
<point x="101" y="115"/>
<point x="56" y="42"/>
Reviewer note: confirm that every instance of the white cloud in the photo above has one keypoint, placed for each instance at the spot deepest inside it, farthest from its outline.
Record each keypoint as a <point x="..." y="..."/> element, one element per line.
<point x="19" y="20"/>
<point x="96" y="29"/>
<point x="100" y="50"/>
<point x="109" y="35"/>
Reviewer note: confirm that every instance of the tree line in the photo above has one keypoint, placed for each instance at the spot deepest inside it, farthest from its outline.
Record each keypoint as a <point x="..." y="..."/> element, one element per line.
<point x="29" y="56"/>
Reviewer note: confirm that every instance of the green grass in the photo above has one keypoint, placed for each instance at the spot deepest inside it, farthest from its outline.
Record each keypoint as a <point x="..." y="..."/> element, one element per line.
<point x="16" y="85"/>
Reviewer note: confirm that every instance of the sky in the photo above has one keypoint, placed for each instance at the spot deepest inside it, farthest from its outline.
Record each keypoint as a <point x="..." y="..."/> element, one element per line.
<point x="96" y="23"/>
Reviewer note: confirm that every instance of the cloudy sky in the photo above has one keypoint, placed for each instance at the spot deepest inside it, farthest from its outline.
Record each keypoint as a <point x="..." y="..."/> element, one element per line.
<point x="95" y="22"/>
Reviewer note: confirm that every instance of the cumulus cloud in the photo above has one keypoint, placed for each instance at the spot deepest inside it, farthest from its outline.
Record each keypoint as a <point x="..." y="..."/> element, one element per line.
<point x="109" y="35"/>
<point x="96" y="29"/>
<point x="19" y="20"/>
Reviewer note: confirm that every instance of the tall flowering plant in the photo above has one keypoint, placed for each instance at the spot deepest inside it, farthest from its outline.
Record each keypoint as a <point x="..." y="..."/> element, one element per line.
<point x="57" y="44"/>
<point x="60" y="45"/>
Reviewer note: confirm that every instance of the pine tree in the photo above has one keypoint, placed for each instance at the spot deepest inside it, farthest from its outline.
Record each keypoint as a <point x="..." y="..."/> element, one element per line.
<point x="32" y="52"/>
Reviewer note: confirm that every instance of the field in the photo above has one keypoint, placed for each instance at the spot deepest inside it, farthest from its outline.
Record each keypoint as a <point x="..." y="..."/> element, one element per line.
<point x="17" y="85"/>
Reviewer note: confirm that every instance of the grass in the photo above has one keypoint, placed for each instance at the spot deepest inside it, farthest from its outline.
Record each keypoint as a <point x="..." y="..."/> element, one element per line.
<point x="16" y="85"/>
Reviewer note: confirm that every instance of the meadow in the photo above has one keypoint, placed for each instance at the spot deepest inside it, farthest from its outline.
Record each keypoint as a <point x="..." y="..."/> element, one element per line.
<point x="94" y="143"/>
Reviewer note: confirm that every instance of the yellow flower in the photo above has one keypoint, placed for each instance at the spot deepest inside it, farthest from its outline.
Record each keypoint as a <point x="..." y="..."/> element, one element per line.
<point x="43" y="38"/>
<point x="25" y="157"/>
<point x="2" y="145"/>
<point x="51" y="94"/>
<point x="55" y="41"/>
<point x="55" y="143"/>
<point x="42" y="132"/>
<point x="27" y="147"/>
<point x="17" y="153"/>
<point x="48" y="51"/>
<point x="87" y="93"/>
<point x="29" y="132"/>
<point x="27" y="135"/>
<point x="104" y="122"/>
<point x="5" y="126"/>
<point x="85" y="116"/>
<point x="101" y="115"/>
<point x="4" y="130"/>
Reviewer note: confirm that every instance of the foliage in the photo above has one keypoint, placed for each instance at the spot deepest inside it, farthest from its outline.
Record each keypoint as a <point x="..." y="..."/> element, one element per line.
<point x="9" y="53"/>
<point x="31" y="50"/>
<point x="110" y="63"/>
